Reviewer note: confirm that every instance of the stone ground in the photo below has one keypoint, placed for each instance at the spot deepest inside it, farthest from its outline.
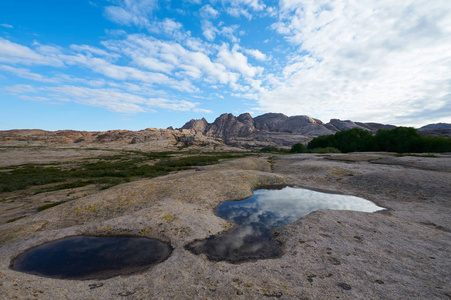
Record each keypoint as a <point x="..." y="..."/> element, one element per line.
<point x="401" y="253"/>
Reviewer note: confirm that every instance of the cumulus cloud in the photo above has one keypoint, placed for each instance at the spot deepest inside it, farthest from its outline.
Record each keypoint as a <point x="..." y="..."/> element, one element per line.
<point x="208" y="12"/>
<point x="131" y="12"/>
<point x="173" y="56"/>
<point x="255" y="53"/>
<point x="237" y="61"/>
<point x="209" y="30"/>
<point x="380" y="60"/>
<point x="237" y="8"/>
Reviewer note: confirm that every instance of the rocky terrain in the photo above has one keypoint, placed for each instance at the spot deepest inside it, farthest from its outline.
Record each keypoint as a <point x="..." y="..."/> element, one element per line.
<point x="438" y="129"/>
<point x="401" y="253"/>
<point x="272" y="129"/>
<point x="268" y="130"/>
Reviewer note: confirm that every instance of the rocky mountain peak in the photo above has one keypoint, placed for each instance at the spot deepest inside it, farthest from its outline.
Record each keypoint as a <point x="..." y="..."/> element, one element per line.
<point x="198" y="126"/>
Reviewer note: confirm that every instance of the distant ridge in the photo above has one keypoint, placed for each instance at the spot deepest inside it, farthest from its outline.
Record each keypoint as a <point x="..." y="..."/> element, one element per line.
<point x="435" y="126"/>
<point x="437" y="129"/>
<point x="271" y="129"/>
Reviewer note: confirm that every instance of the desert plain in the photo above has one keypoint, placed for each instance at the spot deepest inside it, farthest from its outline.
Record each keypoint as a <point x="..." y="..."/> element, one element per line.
<point x="403" y="252"/>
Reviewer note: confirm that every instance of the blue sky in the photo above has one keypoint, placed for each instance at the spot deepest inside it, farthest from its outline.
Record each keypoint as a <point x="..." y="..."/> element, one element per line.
<point x="134" y="64"/>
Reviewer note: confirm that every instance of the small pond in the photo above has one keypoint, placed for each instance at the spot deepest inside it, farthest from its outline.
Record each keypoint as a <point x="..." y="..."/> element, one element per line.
<point x="88" y="257"/>
<point x="265" y="210"/>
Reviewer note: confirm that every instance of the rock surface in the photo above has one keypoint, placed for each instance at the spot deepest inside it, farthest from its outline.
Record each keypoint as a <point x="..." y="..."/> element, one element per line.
<point x="402" y="253"/>
<point x="272" y="129"/>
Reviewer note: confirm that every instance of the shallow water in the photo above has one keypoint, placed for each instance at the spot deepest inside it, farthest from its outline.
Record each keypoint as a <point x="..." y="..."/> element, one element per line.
<point x="87" y="257"/>
<point x="265" y="210"/>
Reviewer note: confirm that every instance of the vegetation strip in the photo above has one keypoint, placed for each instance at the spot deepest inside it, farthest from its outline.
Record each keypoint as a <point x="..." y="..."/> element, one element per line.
<point x="105" y="172"/>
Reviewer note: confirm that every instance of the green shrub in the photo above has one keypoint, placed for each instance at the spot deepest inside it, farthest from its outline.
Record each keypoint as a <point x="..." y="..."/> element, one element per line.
<point x="298" y="148"/>
<point x="325" y="150"/>
<point x="105" y="172"/>
<point x="399" y="139"/>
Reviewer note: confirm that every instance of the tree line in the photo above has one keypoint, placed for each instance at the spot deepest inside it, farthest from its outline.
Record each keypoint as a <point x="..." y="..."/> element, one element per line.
<point x="399" y="139"/>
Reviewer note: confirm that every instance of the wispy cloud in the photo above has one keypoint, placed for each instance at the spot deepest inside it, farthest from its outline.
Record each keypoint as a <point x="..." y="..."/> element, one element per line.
<point x="6" y="25"/>
<point x="112" y="99"/>
<point x="21" y="89"/>
<point x="25" y="73"/>
<point x="378" y="61"/>
<point x="237" y="8"/>
<point x="14" y="53"/>
<point x="207" y="11"/>
<point x="351" y="68"/>
<point x="131" y="12"/>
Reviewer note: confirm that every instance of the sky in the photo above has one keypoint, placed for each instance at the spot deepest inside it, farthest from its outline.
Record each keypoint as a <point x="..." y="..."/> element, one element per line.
<point x="134" y="64"/>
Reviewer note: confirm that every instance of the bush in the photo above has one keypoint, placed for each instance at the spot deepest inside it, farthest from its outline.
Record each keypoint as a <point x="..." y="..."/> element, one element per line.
<point x="325" y="150"/>
<point x="400" y="139"/>
<point x="269" y="149"/>
<point x="298" y="148"/>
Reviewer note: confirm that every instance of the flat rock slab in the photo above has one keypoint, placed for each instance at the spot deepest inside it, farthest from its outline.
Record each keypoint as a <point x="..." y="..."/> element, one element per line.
<point x="403" y="253"/>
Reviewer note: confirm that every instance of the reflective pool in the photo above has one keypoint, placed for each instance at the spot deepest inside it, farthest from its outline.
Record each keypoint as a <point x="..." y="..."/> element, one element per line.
<point x="87" y="257"/>
<point x="267" y="209"/>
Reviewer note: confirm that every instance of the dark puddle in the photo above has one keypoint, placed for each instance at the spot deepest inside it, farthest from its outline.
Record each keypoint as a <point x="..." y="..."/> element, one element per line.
<point x="87" y="257"/>
<point x="265" y="210"/>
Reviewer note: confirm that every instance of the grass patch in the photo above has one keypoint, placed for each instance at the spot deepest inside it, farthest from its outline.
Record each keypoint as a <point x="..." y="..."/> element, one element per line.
<point x="64" y="186"/>
<point x="325" y="150"/>
<point x="15" y="219"/>
<point x="47" y="206"/>
<point x="105" y="172"/>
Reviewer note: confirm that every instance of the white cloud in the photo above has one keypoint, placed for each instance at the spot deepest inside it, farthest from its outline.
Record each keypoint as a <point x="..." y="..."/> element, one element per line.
<point x="208" y="12"/>
<point x="35" y="98"/>
<point x="21" y="89"/>
<point x="171" y="105"/>
<point x="170" y="28"/>
<point x="257" y="54"/>
<point x="17" y="54"/>
<point x="25" y="73"/>
<point x="237" y="8"/>
<point x="235" y="60"/>
<point x="118" y="101"/>
<point x="209" y="31"/>
<point x="369" y="60"/>
<point x="6" y="25"/>
<point x="93" y="51"/>
<point x="125" y="73"/>
<point x="173" y="56"/>
<point x="131" y="12"/>
<point x="237" y="12"/>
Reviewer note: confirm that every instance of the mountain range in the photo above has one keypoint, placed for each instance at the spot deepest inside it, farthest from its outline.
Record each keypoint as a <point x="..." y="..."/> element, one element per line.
<point x="271" y="129"/>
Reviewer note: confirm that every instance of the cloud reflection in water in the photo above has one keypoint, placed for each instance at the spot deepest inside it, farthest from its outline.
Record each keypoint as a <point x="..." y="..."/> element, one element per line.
<point x="265" y="210"/>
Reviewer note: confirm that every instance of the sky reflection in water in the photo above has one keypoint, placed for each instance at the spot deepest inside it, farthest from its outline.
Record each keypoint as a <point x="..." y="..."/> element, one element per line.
<point x="87" y="257"/>
<point x="265" y="210"/>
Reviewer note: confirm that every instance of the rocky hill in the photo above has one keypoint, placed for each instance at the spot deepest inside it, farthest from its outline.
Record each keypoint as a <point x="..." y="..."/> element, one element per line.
<point x="437" y="129"/>
<point x="271" y="129"/>
<point x="149" y="139"/>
